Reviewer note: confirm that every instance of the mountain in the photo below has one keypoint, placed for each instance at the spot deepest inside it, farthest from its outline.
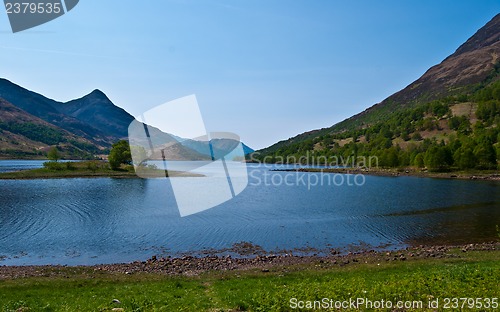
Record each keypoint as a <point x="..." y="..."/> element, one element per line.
<point x="86" y="126"/>
<point x="471" y="63"/>
<point x="31" y="123"/>
<point x="474" y="62"/>
<point x="46" y="109"/>
<point x="220" y="147"/>
<point x="96" y="110"/>
<point x="22" y="134"/>
<point x="158" y="145"/>
<point x="463" y="86"/>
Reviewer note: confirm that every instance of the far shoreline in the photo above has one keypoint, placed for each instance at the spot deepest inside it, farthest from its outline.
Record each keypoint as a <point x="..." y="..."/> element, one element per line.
<point x="491" y="175"/>
<point x="89" y="169"/>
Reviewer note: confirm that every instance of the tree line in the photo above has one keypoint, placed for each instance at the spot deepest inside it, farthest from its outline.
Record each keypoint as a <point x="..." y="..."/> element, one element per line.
<point x="398" y="140"/>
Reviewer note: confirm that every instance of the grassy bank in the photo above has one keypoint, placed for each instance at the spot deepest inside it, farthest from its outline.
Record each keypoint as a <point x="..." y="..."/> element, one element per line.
<point x="86" y="169"/>
<point x="471" y="274"/>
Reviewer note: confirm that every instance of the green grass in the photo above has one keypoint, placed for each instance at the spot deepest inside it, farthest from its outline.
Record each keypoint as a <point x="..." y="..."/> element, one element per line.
<point x="474" y="275"/>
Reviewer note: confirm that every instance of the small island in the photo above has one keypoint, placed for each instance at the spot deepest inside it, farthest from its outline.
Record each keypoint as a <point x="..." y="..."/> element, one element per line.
<point x="119" y="165"/>
<point x="89" y="169"/>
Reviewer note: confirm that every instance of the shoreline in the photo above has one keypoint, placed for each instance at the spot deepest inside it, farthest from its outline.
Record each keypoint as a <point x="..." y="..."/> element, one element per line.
<point x="461" y="175"/>
<point x="91" y="169"/>
<point x="98" y="176"/>
<point x="197" y="265"/>
<point x="39" y="174"/>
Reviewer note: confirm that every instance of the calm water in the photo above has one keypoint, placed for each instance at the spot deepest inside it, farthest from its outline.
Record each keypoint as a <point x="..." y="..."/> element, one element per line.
<point x="89" y="221"/>
<point x="16" y="165"/>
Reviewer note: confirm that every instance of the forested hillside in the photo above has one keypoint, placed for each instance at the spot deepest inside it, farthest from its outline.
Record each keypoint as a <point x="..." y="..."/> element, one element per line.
<point x="460" y="132"/>
<point x="447" y="119"/>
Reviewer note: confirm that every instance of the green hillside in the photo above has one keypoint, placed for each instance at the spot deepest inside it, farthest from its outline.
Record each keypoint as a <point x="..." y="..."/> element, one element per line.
<point x="447" y="119"/>
<point x="455" y="132"/>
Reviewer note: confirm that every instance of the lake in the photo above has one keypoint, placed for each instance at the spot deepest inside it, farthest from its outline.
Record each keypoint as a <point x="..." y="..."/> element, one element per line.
<point x="16" y="165"/>
<point x="105" y="220"/>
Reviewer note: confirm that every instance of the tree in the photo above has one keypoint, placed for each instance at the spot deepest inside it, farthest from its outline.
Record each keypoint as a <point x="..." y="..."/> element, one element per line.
<point x="498" y="156"/>
<point x="389" y="157"/>
<point x="429" y="124"/>
<point x="405" y="136"/>
<point x="437" y="158"/>
<point x="464" y="158"/>
<point x="120" y="154"/>
<point x="416" y="136"/>
<point x="53" y="154"/>
<point x="485" y="155"/>
<point x="419" y="160"/>
<point x="439" y="109"/>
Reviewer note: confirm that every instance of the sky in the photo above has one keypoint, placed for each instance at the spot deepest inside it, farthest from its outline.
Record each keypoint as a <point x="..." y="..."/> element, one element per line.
<point x="266" y="70"/>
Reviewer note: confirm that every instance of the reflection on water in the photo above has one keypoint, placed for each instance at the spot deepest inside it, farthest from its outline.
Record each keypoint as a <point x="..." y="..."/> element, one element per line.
<point x="88" y="221"/>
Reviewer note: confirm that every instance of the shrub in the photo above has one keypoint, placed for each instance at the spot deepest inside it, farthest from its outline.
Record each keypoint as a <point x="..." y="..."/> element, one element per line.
<point x="50" y="165"/>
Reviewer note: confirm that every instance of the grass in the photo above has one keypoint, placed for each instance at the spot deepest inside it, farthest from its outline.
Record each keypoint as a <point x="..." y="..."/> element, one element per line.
<point x="476" y="274"/>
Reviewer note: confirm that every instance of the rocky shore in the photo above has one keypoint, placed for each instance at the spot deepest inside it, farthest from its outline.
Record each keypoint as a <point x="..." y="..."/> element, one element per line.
<point x="386" y="172"/>
<point x="191" y="265"/>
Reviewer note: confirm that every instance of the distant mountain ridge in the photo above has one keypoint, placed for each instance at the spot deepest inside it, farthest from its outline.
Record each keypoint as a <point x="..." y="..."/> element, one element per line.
<point x="47" y="110"/>
<point x="30" y="123"/>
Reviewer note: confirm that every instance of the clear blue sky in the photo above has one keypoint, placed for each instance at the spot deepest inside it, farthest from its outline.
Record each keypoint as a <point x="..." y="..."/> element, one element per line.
<point x="266" y="70"/>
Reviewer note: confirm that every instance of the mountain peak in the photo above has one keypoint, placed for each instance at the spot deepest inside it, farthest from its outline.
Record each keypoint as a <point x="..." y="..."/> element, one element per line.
<point x="97" y="94"/>
<point x="97" y="110"/>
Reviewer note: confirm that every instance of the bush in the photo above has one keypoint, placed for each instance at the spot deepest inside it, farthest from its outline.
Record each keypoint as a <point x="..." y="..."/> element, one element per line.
<point x="92" y="166"/>
<point x="416" y="136"/>
<point x="70" y="165"/>
<point x="50" y="165"/>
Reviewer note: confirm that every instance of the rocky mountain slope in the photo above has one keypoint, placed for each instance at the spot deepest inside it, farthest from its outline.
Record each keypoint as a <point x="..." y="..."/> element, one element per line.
<point x="22" y="134"/>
